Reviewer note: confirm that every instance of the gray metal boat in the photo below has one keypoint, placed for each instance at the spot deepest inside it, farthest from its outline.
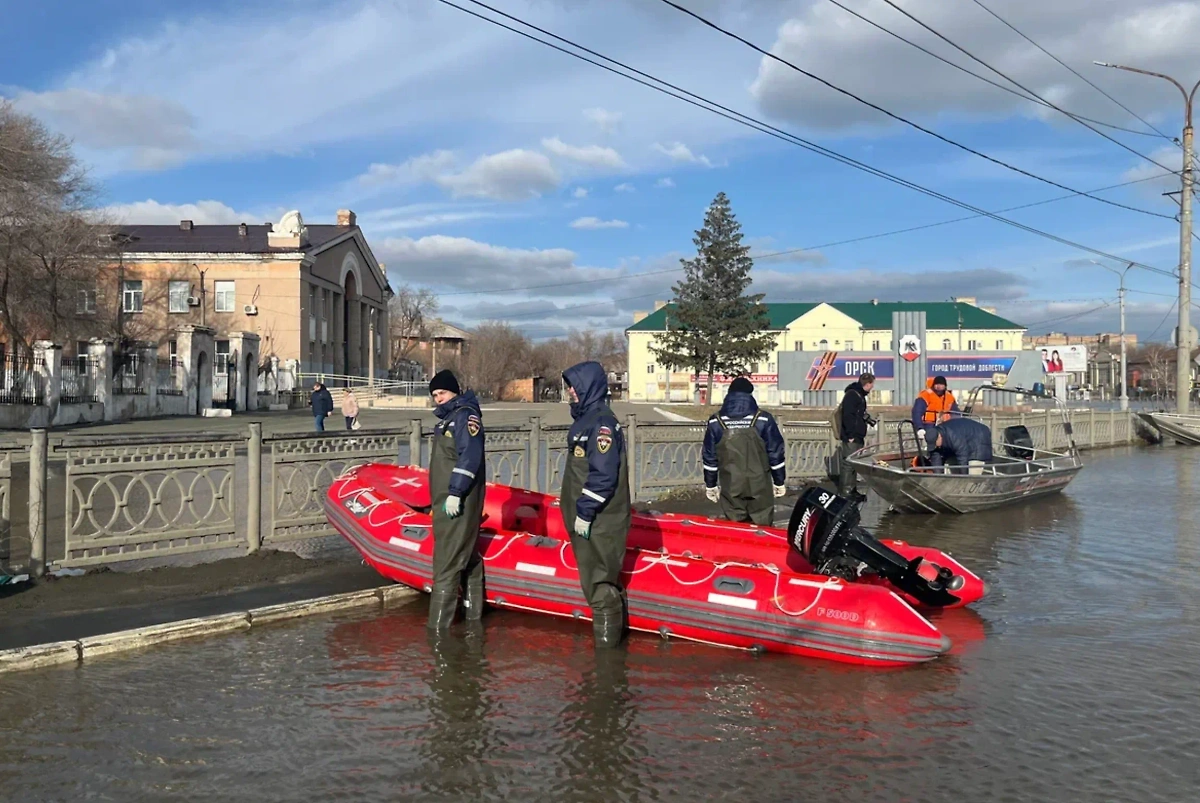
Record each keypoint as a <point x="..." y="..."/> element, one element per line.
<point x="1019" y="471"/>
<point x="1183" y="429"/>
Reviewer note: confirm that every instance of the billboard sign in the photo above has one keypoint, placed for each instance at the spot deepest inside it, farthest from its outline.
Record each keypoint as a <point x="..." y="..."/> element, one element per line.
<point x="830" y="367"/>
<point x="968" y="366"/>
<point x="1064" y="359"/>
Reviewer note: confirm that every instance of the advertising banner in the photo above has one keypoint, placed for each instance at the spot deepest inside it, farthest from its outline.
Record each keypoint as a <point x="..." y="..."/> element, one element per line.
<point x="967" y="366"/>
<point x="830" y="367"/>
<point x="1064" y="359"/>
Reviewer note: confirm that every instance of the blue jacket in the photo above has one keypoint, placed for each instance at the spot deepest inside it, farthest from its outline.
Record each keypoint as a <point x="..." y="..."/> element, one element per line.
<point x="461" y="416"/>
<point x="965" y="439"/>
<point x="736" y="412"/>
<point x="593" y="419"/>
<point x="322" y="403"/>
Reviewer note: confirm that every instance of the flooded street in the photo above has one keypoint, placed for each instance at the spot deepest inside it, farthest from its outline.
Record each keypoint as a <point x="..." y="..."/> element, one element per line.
<point x="1073" y="680"/>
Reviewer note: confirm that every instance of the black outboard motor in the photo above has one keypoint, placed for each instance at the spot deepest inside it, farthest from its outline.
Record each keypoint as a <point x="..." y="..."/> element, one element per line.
<point x="824" y="529"/>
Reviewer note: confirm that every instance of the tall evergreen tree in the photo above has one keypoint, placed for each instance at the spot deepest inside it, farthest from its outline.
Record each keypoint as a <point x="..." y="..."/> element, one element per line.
<point x="715" y="326"/>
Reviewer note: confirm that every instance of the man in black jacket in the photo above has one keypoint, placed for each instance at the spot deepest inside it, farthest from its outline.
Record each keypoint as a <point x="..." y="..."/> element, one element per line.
<point x="961" y="442"/>
<point x="322" y="405"/>
<point x="854" y="423"/>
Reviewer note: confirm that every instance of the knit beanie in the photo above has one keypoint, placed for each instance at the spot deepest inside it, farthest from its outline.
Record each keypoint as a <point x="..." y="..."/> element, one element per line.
<point x="939" y="380"/>
<point x="741" y="385"/>
<point x="444" y="380"/>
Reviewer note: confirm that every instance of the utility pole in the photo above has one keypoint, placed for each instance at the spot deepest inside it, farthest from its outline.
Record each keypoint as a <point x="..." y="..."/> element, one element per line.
<point x="1121" y="296"/>
<point x="1183" y="352"/>
<point x="203" y="295"/>
<point x="371" y="347"/>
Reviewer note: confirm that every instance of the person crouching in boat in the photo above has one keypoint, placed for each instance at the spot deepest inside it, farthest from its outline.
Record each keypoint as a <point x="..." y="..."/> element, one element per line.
<point x="934" y="405"/>
<point x="456" y="484"/>
<point x="960" y="442"/>
<point x="744" y="457"/>
<point x="595" y="499"/>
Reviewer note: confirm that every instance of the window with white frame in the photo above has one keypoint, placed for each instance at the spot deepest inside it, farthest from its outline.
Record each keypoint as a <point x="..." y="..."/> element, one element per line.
<point x="650" y="368"/>
<point x="86" y="303"/>
<point x="225" y="296"/>
<point x="999" y="345"/>
<point x="222" y="361"/>
<point x="874" y="345"/>
<point x="177" y="296"/>
<point x="849" y="345"/>
<point x="972" y="345"/>
<point x="131" y="296"/>
<point x="174" y="350"/>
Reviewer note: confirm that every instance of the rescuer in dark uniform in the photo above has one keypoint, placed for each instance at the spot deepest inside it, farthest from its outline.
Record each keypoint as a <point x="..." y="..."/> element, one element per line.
<point x="745" y="458"/>
<point x="595" y="499"/>
<point x="456" y="486"/>
<point x="962" y="443"/>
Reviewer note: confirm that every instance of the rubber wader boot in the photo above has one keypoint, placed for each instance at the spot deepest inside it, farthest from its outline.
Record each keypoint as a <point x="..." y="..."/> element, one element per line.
<point x="442" y="606"/>
<point x="473" y="593"/>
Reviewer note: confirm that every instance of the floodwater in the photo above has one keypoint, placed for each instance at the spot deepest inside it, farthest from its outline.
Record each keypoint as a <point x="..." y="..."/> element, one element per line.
<point x="1074" y="680"/>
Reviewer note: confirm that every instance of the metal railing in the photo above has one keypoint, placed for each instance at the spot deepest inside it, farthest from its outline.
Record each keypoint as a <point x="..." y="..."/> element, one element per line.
<point x="169" y="381"/>
<point x="130" y="498"/>
<point x="22" y="379"/>
<point x="80" y="381"/>
<point x="129" y="375"/>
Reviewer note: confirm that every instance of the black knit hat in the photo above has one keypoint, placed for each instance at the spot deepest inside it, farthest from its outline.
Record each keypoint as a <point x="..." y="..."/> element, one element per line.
<point x="741" y="385"/>
<point x="939" y="380"/>
<point x="444" y="380"/>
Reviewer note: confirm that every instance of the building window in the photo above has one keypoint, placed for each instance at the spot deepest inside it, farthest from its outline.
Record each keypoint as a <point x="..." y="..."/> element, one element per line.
<point x="999" y="345"/>
<point x="823" y="345"/>
<point x="946" y="346"/>
<point x="770" y="368"/>
<point x="874" y="345"/>
<point x="799" y="346"/>
<point x="177" y="296"/>
<point x="972" y="345"/>
<point x="173" y="348"/>
<point x="222" y="362"/>
<point x="86" y="303"/>
<point x="131" y="296"/>
<point x="849" y="345"/>
<point x="650" y="368"/>
<point x="81" y="356"/>
<point x="225" y="296"/>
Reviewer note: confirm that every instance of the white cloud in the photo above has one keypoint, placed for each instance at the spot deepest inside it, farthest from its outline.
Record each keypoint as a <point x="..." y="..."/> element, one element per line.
<point x="579" y="193"/>
<point x="151" y="212"/>
<point x="594" y="156"/>
<point x="426" y="167"/>
<point x="678" y="152"/>
<point x="515" y="175"/>
<point x="412" y="217"/>
<point x="597" y="223"/>
<point x="607" y="121"/>
<point x="829" y="42"/>
<point x="626" y="187"/>
<point x="1155" y="180"/>
<point x="665" y="183"/>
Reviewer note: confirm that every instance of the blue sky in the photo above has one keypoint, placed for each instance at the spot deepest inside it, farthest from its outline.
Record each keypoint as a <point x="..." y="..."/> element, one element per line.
<point x="481" y="163"/>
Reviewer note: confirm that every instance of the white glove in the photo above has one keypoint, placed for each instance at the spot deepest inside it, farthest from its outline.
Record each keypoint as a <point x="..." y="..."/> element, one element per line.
<point x="583" y="528"/>
<point x="780" y="490"/>
<point x="453" y="506"/>
<point x="713" y="494"/>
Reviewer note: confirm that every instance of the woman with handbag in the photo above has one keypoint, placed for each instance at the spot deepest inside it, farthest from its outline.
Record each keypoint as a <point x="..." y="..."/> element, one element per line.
<point x="350" y="409"/>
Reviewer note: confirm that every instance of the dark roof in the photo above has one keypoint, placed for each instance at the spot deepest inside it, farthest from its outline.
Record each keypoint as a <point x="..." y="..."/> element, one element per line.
<point x="219" y="239"/>
<point x="938" y="315"/>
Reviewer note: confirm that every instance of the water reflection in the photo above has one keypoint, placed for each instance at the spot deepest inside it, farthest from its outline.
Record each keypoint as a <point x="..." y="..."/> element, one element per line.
<point x="457" y="745"/>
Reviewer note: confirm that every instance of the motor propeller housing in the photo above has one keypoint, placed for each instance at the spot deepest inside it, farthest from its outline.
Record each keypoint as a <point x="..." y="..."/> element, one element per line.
<point x="824" y="529"/>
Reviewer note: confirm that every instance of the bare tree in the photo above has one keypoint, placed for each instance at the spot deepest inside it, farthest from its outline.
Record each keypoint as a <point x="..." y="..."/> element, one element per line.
<point x="499" y="354"/>
<point x="52" y="257"/>
<point x="411" y="321"/>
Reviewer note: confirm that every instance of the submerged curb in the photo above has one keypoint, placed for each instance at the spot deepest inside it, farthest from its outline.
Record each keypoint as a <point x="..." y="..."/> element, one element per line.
<point x="66" y="652"/>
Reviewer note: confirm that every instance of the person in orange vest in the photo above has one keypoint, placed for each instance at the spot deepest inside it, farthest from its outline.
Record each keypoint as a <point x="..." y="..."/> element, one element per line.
<point x="934" y="405"/>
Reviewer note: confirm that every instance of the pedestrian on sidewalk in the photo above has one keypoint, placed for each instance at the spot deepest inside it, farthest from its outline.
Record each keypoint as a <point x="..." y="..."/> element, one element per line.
<point x="349" y="408"/>
<point x="457" y="477"/>
<point x="322" y="405"/>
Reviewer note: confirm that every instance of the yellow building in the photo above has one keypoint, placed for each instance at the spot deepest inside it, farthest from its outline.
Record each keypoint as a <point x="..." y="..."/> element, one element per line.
<point x="950" y="327"/>
<point x="313" y="293"/>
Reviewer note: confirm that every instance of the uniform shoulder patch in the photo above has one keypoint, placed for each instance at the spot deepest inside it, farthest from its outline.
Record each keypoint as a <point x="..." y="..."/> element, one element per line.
<point x="474" y="424"/>
<point x="579" y="451"/>
<point x="604" y="440"/>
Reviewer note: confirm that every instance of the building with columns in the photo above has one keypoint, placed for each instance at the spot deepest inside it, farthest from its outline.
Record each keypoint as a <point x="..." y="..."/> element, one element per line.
<point x="312" y="293"/>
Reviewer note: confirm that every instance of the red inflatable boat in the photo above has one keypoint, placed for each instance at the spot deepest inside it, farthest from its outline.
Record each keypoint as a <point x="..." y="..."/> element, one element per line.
<point x="700" y="579"/>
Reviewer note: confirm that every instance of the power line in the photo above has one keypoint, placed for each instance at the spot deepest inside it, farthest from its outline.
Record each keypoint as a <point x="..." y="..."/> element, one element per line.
<point x="1069" y="317"/>
<point x="985" y="79"/>
<point x="1016" y="83"/>
<point x="1164" y="320"/>
<point x="766" y="128"/>
<point x="1075" y="72"/>
<point x="910" y="123"/>
<point x="788" y="251"/>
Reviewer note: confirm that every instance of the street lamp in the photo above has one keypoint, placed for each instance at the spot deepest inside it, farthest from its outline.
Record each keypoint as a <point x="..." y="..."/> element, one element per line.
<point x="1121" y="296"/>
<point x="1183" y="355"/>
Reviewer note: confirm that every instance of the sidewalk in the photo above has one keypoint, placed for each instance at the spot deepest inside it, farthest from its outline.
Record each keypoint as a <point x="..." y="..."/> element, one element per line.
<point x="106" y="601"/>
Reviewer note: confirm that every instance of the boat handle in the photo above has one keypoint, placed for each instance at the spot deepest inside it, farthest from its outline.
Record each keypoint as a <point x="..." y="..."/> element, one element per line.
<point x="414" y="533"/>
<point x="736" y="585"/>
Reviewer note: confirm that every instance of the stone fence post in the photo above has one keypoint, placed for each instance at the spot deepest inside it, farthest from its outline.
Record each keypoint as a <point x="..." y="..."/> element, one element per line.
<point x="50" y="356"/>
<point x="254" y="490"/>
<point x="635" y="466"/>
<point x="38" y="454"/>
<point x="414" y="443"/>
<point x="100" y="357"/>
<point x="535" y="455"/>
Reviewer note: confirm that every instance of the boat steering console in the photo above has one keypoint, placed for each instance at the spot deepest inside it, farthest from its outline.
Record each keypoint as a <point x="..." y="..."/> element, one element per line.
<point x="824" y="529"/>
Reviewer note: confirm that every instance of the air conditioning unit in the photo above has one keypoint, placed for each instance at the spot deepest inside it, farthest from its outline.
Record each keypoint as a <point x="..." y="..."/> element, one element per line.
<point x="250" y="309"/>
<point x="193" y="301"/>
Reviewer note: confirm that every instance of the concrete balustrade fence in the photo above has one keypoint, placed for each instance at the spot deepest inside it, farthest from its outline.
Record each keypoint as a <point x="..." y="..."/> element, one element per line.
<point x="114" y="500"/>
